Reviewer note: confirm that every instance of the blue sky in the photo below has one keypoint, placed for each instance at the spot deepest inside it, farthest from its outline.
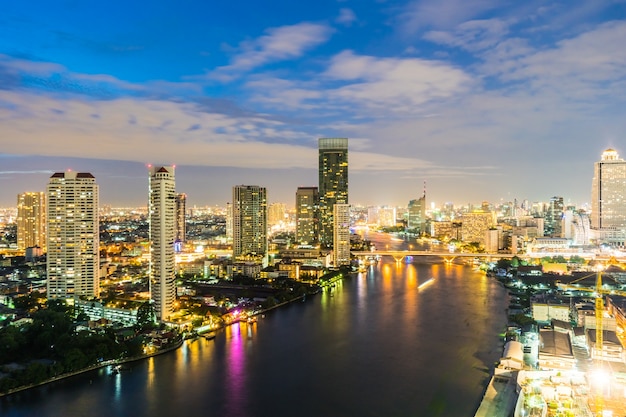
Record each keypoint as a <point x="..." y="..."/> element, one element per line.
<point x="482" y="99"/>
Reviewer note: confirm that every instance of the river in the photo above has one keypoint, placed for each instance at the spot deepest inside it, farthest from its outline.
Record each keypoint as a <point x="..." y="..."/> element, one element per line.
<point x="374" y="345"/>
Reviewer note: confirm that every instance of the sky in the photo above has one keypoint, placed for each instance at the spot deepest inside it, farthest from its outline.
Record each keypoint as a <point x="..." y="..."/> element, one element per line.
<point x="472" y="100"/>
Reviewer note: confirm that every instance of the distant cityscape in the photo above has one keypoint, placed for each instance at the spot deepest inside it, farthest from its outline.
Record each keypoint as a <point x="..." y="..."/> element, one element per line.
<point x="177" y="271"/>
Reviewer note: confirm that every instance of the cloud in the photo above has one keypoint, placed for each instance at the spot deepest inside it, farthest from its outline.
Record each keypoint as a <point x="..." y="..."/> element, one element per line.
<point x="474" y="35"/>
<point x="278" y="44"/>
<point x="368" y="86"/>
<point x="442" y="14"/>
<point x="346" y="17"/>
<point x="129" y="129"/>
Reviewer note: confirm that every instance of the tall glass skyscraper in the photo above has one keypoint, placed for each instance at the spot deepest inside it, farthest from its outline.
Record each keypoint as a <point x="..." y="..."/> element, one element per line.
<point x="249" y="220"/>
<point x="162" y="219"/>
<point x="73" y="259"/>
<point x="333" y="183"/>
<point x="608" y="200"/>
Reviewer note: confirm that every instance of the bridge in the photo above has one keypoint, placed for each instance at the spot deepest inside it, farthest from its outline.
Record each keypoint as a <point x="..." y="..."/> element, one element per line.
<point x="448" y="257"/>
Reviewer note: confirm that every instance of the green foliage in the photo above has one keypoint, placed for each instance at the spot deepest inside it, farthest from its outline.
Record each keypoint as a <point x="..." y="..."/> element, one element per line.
<point x="146" y="316"/>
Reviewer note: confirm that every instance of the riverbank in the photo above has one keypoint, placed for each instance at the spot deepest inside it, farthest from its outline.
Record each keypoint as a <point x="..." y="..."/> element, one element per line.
<point x="116" y="362"/>
<point x="103" y="364"/>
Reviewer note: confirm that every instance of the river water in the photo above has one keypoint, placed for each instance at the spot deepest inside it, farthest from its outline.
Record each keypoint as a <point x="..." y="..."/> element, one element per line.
<point x="375" y="345"/>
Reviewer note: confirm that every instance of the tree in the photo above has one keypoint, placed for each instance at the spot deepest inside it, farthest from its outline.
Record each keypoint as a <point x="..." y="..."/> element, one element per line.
<point x="146" y="316"/>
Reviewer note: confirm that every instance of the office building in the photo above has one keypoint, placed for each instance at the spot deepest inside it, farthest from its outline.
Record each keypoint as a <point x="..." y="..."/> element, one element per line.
<point x="31" y="220"/>
<point x="333" y="183"/>
<point x="162" y="219"/>
<point x="608" y="205"/>
<point x="341" y="234"/>
<point x="554" y="218"/>
<point x="249" y="221"/>
<point x="475" y="225"/>
<point x="307" y="200"/>
<point x="181" y="220"/>
<point x="73" y="260"/>
<point x="417" y="215"/>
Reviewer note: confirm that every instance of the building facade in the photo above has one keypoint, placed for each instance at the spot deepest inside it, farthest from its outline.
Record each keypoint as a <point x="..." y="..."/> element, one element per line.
<point x="307" y="216"/>
<point x="249" y="221"/>
<point x="553" y="218"/>
<point x="475" y="226"/>
<point x="31" y="220"/>
<point x="417" y="214"/>
<point x="341" y="234"/>
<point x="608" y="205"/>
<point x="162" y="219"/>
<point x="73" y="260"/>
<point x="181" y="219"/>
<point x="333" y="183"/>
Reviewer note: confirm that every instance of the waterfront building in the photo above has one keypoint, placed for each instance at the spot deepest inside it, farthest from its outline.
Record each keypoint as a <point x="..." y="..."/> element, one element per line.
<point x="181" y="221"/>
<point x="341" y="234"/>
<point x="73" y="260"/>
<point x="307" y="216"/>
<point x="333" y="183"/>
<point x="249" y="221"/>
<point x="162" y="220"/>
<point x="475" y="226"/>
<point x="417" y="214"/>
<point x="31" y="220"/>
<point x="608" y="205"/>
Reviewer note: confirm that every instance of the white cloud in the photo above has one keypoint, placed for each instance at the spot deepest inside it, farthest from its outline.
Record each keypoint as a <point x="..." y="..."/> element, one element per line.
<point x="442" y="14"/>
<point x="474" y="35"/>
<point x="279" y="44"/>
<point x="346" y="17"/>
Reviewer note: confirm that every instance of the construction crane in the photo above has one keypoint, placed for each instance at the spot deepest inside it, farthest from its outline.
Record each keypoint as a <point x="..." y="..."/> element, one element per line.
<point x="599" y="292"/>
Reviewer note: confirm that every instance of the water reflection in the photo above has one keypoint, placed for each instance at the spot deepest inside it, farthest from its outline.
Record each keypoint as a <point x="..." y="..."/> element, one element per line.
<point x="235" y="401"/>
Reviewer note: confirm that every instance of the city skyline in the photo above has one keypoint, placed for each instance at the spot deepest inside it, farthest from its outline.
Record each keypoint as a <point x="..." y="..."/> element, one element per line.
<point x="483" y="100"/>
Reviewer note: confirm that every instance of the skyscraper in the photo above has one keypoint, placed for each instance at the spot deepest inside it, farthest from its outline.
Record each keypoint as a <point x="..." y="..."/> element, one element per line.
<point x="275" y="214"/>
<point x="73" y="261"/>
<point x="31" y="220"/>
<point x="181" y="224"/>
<point x="307" y="200"/>
<point x="341" y="234"/>
<point x="162" y="219"/>
<point x="608" y="205"/>
<point x="333" y="183"/>
<point x="554" y="217"/>
<point x="417" y="214"/>
<point x="249" y="220"/>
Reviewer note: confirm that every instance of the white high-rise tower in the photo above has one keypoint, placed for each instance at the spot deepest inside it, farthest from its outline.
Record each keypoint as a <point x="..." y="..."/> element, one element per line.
<point x="73" y="260"/>
<point x="608" y="205"/>
<point x="162" y="219"/>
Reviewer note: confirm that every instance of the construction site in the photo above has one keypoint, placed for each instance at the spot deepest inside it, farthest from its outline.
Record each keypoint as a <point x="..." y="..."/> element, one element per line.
<point x="572" y="363"/>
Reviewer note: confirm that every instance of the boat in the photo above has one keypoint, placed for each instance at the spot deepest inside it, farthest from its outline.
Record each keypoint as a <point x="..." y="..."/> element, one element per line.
<point x="209" y="335"/>
<point x="425" y="283"/>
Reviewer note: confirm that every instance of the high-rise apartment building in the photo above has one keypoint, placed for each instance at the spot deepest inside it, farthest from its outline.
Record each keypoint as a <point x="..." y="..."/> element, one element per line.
<point x="333" y="183"/>
<point x="307" y="200"/>
<point x="31" y="220"/>
<point x="181" y="220"/>
<point x="475" y="226"/>
<point x="608" y="205"/>
<point x="162" y="219"/>
<point x="249" y="221"/>
<point x="341" y="234"/>
<point x="73" y="260"/>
